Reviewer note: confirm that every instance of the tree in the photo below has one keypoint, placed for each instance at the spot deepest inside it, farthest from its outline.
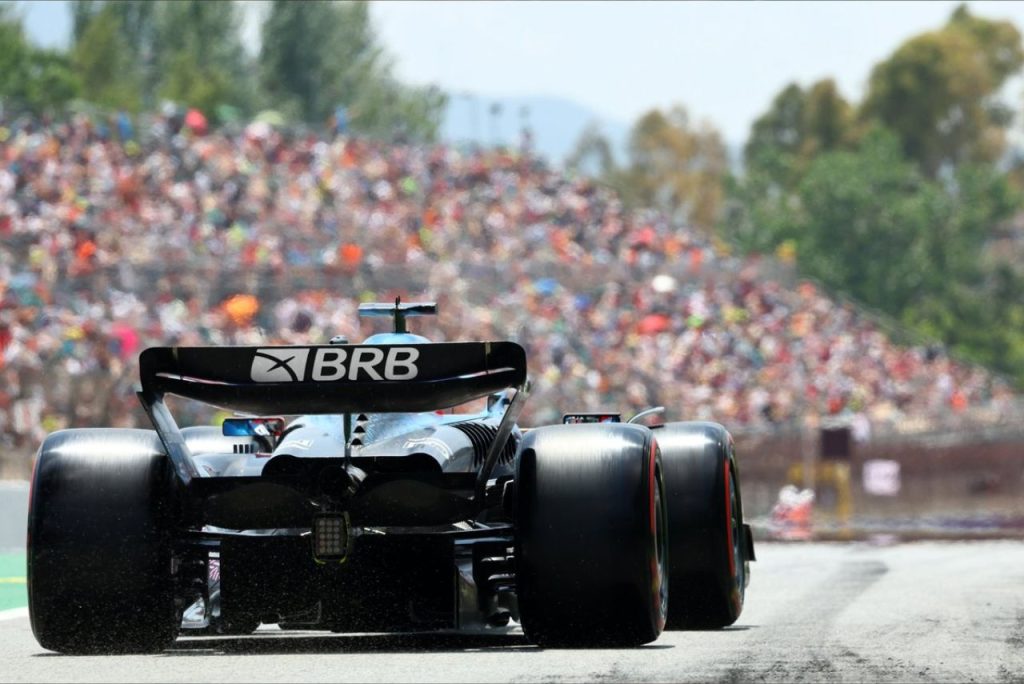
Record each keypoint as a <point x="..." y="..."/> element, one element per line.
<point x="385" y="108"/>
<point x="756" y="216"/>
<point x="82" y="12"/>
<point x="776" y="137"/>
<point x="828" y="120"/>
<point x="200" y="55"/>
<point x="317" y="56"/>
<point x="895" y="203"/>
<point x="14" y="54"/>
<point x="299" y="57"/>
<point x="870" y="224"/>
<point x="592" y="154"/>
<point x="50" y="81"/>
<point x="937" y="92"/>
<point x="38" y="79"/>
<point x="195" y="84"/>
<point x="866" y="221"/>
<point x="137" y="25"/>
<point x="105" y="65"/>
<point x="798" y="126"/>
<point x="187" y="51"/>
<point x="676" y="166"/>
<point x="974" y="303"/>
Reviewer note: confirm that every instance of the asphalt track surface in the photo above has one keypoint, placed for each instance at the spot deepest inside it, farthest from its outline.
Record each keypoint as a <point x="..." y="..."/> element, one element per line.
<point x="928" y="611"/>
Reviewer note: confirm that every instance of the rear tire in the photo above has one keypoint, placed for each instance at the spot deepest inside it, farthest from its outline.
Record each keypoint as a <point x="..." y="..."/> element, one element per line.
<point x="591" y="538"/>
<point x="708" y="539"/>
<point x="99" y="543"/>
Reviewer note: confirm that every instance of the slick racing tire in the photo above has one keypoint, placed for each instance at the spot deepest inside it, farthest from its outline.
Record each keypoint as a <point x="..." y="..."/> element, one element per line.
<point x="709" y="545"/>
<point x="99" y="543"/>
<point x="591" y="540"/>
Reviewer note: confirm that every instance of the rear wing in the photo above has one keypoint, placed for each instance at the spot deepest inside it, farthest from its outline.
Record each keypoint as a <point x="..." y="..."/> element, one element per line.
<point x="327" y="379"/>
<point x="334" y="378"/>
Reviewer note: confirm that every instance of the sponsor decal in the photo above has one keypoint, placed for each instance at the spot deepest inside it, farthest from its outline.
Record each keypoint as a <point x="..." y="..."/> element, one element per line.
<point x="304" y="444"/>
<point x="427" y="442"/>
<point x="290" y="364"/>
<point x="286" y="364"/>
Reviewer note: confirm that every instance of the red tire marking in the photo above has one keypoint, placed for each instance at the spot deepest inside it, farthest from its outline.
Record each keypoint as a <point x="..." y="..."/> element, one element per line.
<point x="31" y="490"/>
<point x="650" y="475"/>
<point x="655" y="577"/>
<point x="728" y="523"/>
<point x="735" y="597"/>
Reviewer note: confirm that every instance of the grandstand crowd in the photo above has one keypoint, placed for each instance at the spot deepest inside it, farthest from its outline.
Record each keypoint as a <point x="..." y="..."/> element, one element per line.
<point x="115" y="238"/>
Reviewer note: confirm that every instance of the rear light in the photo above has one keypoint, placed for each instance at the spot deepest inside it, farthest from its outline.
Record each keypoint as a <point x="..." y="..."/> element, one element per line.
<point x="332" y="536"/>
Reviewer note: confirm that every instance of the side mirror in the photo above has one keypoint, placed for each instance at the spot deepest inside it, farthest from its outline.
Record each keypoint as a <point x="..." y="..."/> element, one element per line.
<point x="253" y="427"/>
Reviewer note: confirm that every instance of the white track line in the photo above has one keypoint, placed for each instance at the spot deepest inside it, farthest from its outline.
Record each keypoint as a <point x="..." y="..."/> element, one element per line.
<point x="13" y="614"/>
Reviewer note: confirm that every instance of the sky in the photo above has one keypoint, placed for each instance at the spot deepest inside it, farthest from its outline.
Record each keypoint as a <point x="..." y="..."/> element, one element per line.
<point x="724" y="61"/>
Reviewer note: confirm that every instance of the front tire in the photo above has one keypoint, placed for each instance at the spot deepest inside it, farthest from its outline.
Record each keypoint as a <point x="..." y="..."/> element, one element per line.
<point x="591" y="537"/>
<point x="99" y="543"/>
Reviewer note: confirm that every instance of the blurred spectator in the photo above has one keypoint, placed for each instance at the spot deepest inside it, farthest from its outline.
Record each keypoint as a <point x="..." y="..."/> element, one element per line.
<point x="163" y="235"/>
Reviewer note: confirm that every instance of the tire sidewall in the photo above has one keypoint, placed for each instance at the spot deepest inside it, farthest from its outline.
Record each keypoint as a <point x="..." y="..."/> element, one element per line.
<point x="99" y="545"/>
<point x="707" y="578"/>
<point x="585" y="554"/>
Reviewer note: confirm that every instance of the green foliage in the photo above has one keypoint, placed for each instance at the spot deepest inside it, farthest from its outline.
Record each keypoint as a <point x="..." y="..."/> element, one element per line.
<point x="799" y="125"/>
<point x="105" y="65"/>
<point x="937" y="92"/>
<point x="387" y="108"/>
<point x="997" y="42"/>
<point x="978" y="310"/>
<point x="318" y="55"/>
<point x="194" y="84"/>
<point x="200" y="57"/>
<point x="985" y="325"/>
<point x="188" y="51"/>
<point x="14" y="54"/>
<point x="868" y="223"/>
<point x="672" y="164"/>
<point x="82" y="12"/>
<point x="676" y="166"/>
<point x="315" y="57"/>
<point x="896" y="201"/>
<point x="289" y="66"/>
<point x="757" y="213"/>
<point x="828" y="120"/>
<point x="591" y="154"/>
<point x="37" y="79"/>
<point x="50" y="82"/>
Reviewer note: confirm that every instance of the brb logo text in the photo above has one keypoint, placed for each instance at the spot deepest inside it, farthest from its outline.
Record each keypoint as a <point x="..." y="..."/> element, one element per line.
<point x="290" y="364"/>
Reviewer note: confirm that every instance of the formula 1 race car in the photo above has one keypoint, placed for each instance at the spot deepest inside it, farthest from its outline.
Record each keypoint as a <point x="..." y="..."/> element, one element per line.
<point x="376" y="510"/>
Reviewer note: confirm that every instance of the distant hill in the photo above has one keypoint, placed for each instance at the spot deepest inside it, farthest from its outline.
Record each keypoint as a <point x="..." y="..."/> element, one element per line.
<point x="556" y="123"/>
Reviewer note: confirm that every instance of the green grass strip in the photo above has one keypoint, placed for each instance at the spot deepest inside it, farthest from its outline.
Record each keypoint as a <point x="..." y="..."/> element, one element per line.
<point x="12" y="581"/>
